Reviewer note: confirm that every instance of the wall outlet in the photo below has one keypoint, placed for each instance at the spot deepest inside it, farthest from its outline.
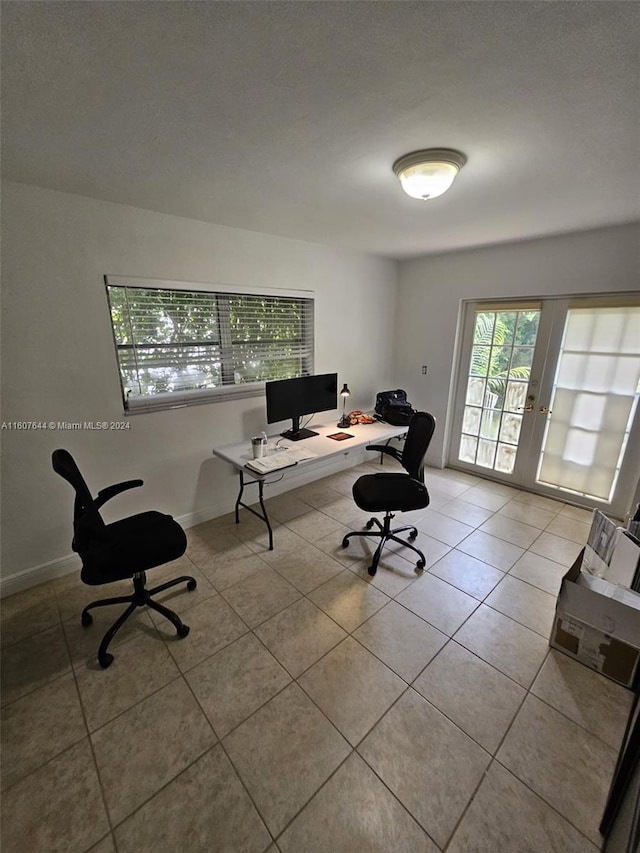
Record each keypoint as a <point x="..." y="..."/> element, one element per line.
<point x="424" y="369"/>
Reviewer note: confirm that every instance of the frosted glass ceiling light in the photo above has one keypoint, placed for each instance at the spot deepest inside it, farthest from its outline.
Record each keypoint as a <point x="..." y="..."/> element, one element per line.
<point x="428" y="174"/>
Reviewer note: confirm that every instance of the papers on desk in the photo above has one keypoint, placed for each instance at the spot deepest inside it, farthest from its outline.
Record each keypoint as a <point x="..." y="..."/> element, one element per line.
<point x="283" y="458"/>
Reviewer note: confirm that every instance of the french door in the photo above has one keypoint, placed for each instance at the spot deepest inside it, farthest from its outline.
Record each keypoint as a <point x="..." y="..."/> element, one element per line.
<point x="547" y="397"/>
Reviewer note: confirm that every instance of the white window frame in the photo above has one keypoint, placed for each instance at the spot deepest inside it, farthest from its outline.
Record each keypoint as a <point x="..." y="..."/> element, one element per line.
<point x="229" y="388"/>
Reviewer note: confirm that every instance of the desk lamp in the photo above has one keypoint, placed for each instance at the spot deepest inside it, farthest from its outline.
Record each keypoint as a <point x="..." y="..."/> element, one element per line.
<point x="344" y="420"/>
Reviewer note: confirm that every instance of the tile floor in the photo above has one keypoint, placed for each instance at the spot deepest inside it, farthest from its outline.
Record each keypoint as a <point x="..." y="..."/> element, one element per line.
<point x="312" y="708"/>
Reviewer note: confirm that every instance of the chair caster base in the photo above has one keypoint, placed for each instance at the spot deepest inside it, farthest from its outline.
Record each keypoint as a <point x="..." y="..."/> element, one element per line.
<point x="183" y="630"/>
<point x="191" y="585"/>
<point x="420" y="566"/>
<point x="345" y="542"/>
<point x="105" y="661"/>
<point x="86" y="619"/>
<point x="372" y="570"/>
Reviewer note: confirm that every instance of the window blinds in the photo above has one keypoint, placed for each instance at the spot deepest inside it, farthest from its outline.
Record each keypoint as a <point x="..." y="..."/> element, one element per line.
<point x="178" y="346"/>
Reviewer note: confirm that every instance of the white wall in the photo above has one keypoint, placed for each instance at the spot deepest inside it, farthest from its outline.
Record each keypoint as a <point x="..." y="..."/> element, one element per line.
<point x="59" y="362"/>
<point x="432" y="288"/>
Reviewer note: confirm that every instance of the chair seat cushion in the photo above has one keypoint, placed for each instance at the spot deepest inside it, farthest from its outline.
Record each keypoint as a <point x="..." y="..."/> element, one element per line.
<point x="131" y="545"/>
<point x="389" y="492"/>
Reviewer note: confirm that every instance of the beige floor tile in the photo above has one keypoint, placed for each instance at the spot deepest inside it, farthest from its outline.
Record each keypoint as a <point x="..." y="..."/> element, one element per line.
<point x="38" y="726"/>
<point x="539" y="501"/>
<point x="475" y="696"/>
<point x="444" y="528"/>
<point x="332" y="545"/>
<point x="585" y="696"/>
<point x="317" y="494"/>
<point x="57" y="808"/>
<point x="352" y="687"/>
<point x="492" y="550"/>
<point x="345" y="511"/>
<point x="578" y="513"/>
<point x="308" y="568"/>
<point x="285" y="507"/>
<point x="467" y="573"/>
<point x="510" y="530"/>
<point x="539" y="571"/>
<point x="466" y="512"/>
<point x="505" y="815"/>
<point x="556" y="548"/>
<point x="261" y="596"/>
<point x="531" y="515"/>
<point x="431" y="766"/>
<point x="73" y="596"/>
<point x="525" y="603"/>
<point x="508" y="646"/>
<point x="235" y="682"/>
<point x="84" y="641"/>
<point x="300" y="635"/>
<point x="140" y="667"/>
<point x="348" y="600"/>
<point x="396" y="571"/>
<point x="481" y="496"/>
<point x="107" y="845"/>
<point x="32" y="663"/>
<point x="444" y="483"/>
<point x="284" y="753"/>
<point x="314" y="524"/>
<point x="155" y="741"/>
<point x="570" y="528"/>
<point x="439" y="603"/>
<point x="179" y="598"/>
<point x="400" y="639"/>
<point x="225" y="570"/>
<point x="204" y="809"/>
<point x="562" y="762"/>
<point x="28" y="612"/>
<point x="287" y="542"/>
<point x="354" y="813"/>
<point x="213" y="625"/>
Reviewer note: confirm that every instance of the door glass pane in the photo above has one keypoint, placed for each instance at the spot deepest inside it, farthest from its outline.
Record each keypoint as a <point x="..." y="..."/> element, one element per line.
<point x="497" y="381"/>
<point x="595" y="395"/>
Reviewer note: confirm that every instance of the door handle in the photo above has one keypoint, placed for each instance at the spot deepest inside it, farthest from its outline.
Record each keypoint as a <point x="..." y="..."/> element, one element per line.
<point x="545" y="410"/>
<point x="527" y="408"/>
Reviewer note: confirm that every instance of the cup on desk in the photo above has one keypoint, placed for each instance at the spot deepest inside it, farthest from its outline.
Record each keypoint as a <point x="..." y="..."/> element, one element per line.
<point x="259" y="446"/>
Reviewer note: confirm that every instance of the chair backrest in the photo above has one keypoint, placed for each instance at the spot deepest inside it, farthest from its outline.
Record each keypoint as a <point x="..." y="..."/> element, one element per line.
<point x="87" y="521"/>
<point x="421" y="429"/>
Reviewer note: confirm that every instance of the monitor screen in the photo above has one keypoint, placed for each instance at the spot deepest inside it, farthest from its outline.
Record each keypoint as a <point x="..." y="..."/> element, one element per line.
<point x="306" y="395"/>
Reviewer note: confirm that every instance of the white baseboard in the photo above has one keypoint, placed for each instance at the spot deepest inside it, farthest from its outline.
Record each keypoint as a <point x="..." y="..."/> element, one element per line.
<point x="71" y="563"/>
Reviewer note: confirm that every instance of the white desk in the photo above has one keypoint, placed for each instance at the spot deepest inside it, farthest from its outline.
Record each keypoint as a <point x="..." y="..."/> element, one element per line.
<point x="323" y="447"/>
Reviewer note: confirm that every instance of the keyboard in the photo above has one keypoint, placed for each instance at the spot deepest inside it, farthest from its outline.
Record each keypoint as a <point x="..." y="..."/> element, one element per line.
<point x="283" y="457"/>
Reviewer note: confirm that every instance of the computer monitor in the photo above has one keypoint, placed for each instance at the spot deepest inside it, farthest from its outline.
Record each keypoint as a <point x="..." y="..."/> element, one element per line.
<point x="306" y="395"/>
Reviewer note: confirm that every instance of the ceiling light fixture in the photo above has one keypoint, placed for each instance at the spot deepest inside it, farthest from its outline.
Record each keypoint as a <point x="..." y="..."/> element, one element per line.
<point x="428" y="174"/>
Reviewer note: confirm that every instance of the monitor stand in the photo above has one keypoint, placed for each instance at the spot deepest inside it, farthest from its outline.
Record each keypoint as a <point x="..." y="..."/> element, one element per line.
<point x="295" y="433"/>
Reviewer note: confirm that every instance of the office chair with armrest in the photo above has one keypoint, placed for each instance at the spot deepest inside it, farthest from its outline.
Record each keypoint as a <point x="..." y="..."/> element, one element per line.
<point x="396" y="492"/>
<point x="123" y="549"/>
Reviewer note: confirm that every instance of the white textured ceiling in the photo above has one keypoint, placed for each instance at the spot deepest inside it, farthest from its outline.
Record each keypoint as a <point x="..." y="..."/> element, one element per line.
<point x="285" y="117"/>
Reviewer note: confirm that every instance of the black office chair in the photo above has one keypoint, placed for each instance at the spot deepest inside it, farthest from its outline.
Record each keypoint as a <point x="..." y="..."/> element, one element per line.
<point x="123" y="549"/>
<point x="396" y="492"/>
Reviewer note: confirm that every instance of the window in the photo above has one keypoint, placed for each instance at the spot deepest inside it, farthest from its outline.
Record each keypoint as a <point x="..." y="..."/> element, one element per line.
<point x="178" y="346"/>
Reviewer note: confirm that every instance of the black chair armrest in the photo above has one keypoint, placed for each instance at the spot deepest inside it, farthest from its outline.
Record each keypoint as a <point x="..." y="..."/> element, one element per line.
<point x="105" y="495"/>
<point x="386" y="448"/>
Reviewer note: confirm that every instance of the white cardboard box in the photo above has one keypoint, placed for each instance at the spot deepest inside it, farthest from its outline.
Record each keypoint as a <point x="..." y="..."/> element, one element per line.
<point x="598" y="624"/>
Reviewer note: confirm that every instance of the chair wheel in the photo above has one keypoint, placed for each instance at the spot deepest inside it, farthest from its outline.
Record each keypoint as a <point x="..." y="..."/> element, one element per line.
<point x="420" y="565"/>
<point x="345" y="542"/>
<point x="183" y="630"/>
<point x="372" y="570"/>
<point x="105" y="661"/>
<point x="369" y="524"/>
<point x="191" y="585"/>
<point x="413" y="534"/>
<point x="86" y="619"/>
